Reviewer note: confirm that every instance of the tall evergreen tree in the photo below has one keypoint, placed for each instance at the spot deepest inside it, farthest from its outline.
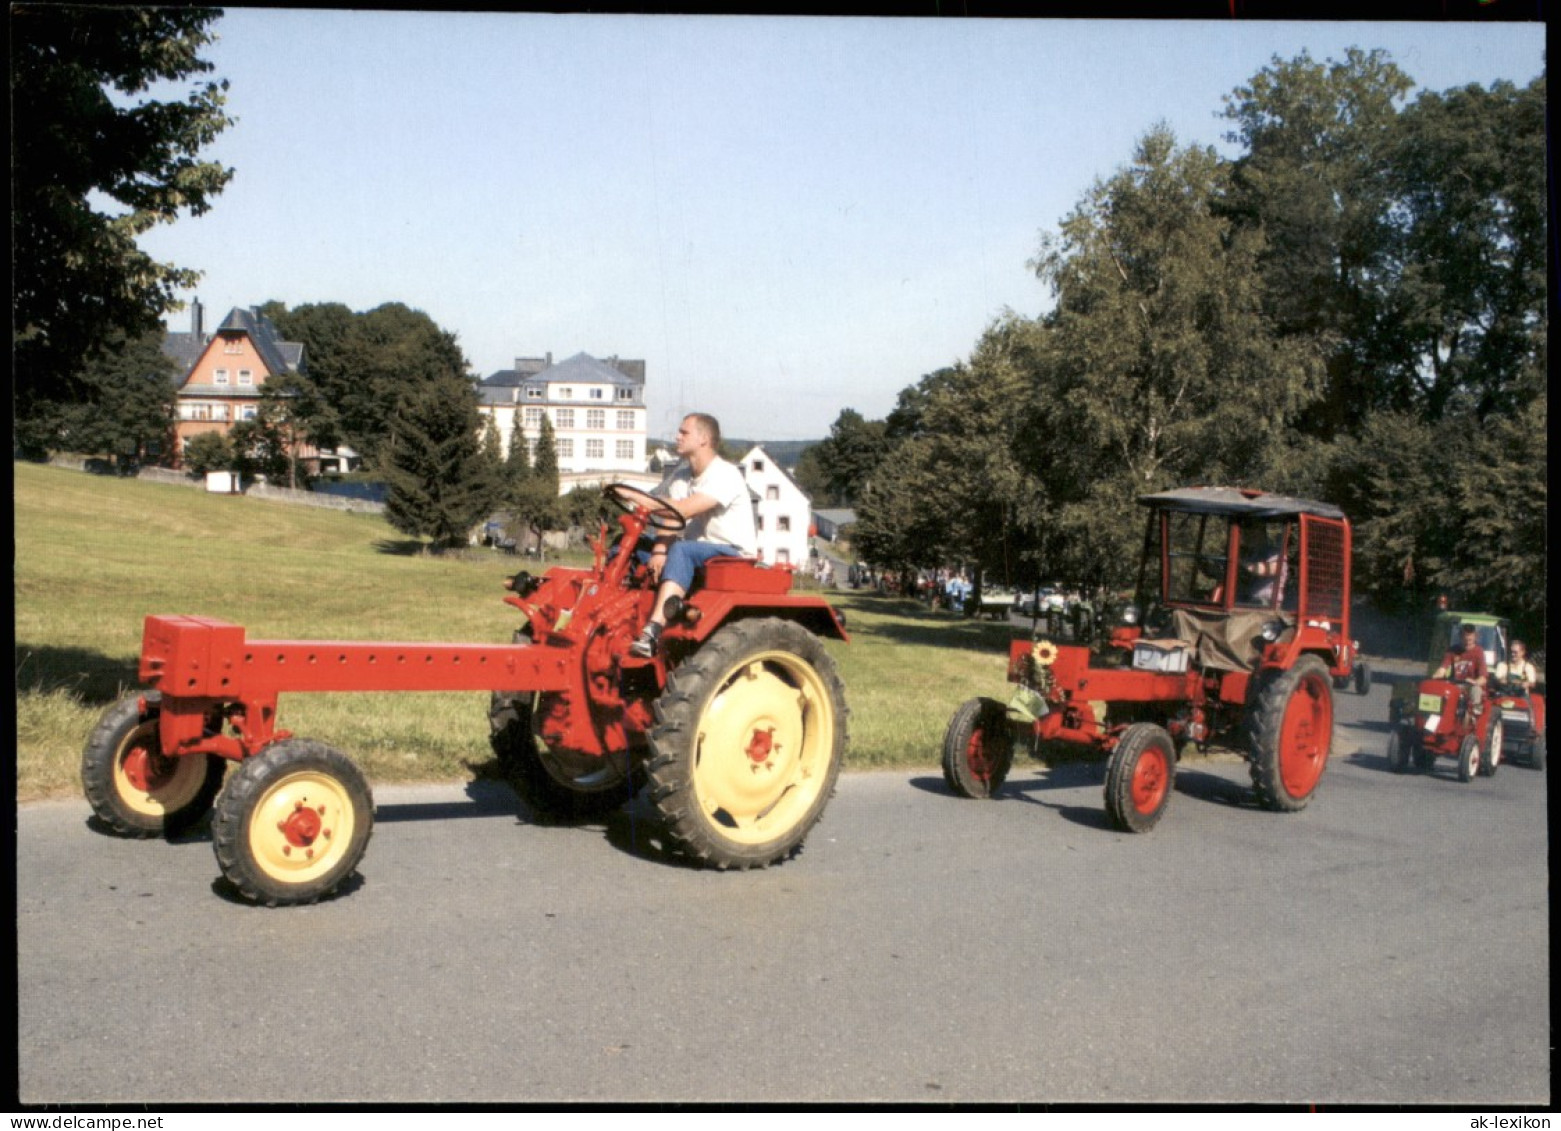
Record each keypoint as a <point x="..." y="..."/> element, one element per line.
<point x="440" y="483"/>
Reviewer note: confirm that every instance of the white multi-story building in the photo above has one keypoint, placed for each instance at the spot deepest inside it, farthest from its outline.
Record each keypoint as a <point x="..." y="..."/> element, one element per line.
<point x="781" y="511"/>
<point x="596" y="408"/>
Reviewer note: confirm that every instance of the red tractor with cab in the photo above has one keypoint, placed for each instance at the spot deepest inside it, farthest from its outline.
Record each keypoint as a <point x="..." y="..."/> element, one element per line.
<point x="1239" y="634"/>
<point x="737" y="725"/>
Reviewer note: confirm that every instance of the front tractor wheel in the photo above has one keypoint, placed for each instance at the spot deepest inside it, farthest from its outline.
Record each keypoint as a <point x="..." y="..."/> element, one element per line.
<point x="293" y="823"/>
<point x="978" y="749"/>
<point x="750" y="735"/>
<point x="1469" y="758"/>
<point x="1398" y="756"/>
<point x="1291" y="734"/>
<point x="556" y="785"/>
<point x="132" y="786"/>
<point x="1362" y="678"/>
<point x="1139" y="777"/>
<point x="1491" y="760"/>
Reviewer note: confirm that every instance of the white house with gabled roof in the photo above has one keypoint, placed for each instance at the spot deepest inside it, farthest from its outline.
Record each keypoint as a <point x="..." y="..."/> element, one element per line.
<point x="781" y="511"/>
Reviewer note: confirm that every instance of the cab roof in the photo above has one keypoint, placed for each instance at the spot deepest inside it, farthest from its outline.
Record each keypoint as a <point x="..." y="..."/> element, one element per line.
<point x="1238" y="502"/>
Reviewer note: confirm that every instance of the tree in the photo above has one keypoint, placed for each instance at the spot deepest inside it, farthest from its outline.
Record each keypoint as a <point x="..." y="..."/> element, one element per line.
<point x="440" y="484"/>
<point x="1161" y="365"/>
<point x="532" y="489"/>
<point x="1469" y="311"/>
<point x="263" y="445"/>
<point x="360" y="365"/>
<point x="207" y="452"/>
<point x="129" y="416"/>
<point x="847" y="458"/>
<point x="84" y="132"/>
<point x="1315" y="181"/>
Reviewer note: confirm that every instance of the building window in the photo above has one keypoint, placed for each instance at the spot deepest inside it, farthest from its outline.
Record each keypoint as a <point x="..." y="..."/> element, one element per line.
<point x="625" y="394"/>
<point x="565" y="393"/>
<point x="220" y="377"/>
<point x="232" y="345"/>
<point x="563" y="418"/>
<point x="758" y="522"/>
<point x="626" y="422"/>
<point x="566" y="449"/>
<point x="533" y="418"/>
<point x="595" y="449"/>
<point x="595" y="419"/>
<point x="246" y="377"/>
<point x="533" y="393"/>
<point x="246" y="412"/>
<point x="782" y="557"/>
<point x="625" y="449"/>
<point x="772" y="491"/>
<point x="596" y="394"/>
<point x="783" y="524"/>
<point x="758" y="465"/>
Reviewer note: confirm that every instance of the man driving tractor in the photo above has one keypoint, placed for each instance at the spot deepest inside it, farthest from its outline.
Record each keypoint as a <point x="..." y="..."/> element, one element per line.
<point x="1467" y="665"/>
<point x="712" y="495"/>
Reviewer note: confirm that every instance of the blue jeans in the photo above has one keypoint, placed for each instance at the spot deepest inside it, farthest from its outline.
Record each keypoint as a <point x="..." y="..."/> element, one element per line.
<point x="683" y="558"/>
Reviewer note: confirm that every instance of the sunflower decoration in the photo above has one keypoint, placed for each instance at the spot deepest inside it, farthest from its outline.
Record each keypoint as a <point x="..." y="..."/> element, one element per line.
<point x="1044" y="653"/>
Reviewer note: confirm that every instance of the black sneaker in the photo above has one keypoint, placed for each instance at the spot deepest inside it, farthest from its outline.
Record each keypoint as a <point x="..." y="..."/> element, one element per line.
<point x="645" y="647"/>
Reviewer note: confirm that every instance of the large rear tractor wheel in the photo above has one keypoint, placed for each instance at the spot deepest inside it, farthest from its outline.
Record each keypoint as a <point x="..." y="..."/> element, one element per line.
<point x="1398" y="757"/>
<point x="1490" y="760"/>
<point x="1291" y="733"/>
<point x="556" y="785"/>
<point x="1139" y="777"/>
<point x="132" y="786"/>
<point x="292" y="823"/>
<point x="749" y="738"/>
<point x="1469" y="758"/>
<point x="978" y="749"/>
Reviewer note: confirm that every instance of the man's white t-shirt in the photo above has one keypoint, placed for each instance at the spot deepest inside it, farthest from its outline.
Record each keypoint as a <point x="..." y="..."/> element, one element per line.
<point x="732" y="521"/>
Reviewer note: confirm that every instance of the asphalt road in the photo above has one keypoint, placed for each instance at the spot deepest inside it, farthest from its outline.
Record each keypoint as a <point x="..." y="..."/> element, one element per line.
<point x="1389" y="945"/>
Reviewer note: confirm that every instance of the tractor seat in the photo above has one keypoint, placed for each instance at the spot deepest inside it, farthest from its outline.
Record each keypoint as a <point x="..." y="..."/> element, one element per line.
<point x="742" y="575"/>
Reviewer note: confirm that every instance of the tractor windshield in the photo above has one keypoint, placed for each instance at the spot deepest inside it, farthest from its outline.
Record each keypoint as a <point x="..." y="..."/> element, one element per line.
<point x="1195" y="557"/>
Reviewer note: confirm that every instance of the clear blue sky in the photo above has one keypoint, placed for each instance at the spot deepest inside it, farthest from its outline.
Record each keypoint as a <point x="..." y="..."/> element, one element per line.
<point x="784" y="217"/>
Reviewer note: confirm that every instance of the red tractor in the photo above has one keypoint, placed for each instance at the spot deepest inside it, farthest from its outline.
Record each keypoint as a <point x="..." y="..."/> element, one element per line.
<point x="737" y="725"/>
<point x="1246" y="634"/>
<point x="1509" y="723"/>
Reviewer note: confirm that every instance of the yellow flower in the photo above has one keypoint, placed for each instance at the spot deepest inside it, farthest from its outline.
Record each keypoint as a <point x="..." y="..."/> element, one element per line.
<point x="1044" y="653"/>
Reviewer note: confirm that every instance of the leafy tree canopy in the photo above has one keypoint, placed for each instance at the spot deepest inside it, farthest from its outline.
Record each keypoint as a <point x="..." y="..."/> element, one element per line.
<point x="85" y="132"/>
<point x="360" y="365"/>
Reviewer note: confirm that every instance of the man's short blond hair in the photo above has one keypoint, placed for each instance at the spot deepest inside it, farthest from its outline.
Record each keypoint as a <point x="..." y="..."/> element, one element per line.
<point x="711" y="426"/>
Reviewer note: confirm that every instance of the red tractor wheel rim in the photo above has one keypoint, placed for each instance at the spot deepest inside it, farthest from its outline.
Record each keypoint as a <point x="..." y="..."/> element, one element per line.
<point x="1151" y="777"/>
<point x="147" y="769"/>
<point x="976" y="756"/>
<point x="1305" y="736"/>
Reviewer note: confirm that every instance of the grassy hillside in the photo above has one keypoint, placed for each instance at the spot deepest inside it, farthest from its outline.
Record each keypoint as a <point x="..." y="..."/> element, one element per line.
<point x="95" y="555"/>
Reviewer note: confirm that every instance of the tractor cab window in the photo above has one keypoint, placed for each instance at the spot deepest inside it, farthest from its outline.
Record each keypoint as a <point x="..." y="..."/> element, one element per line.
<point x="1267" y="553"/>
<point x="1195" y="558"/>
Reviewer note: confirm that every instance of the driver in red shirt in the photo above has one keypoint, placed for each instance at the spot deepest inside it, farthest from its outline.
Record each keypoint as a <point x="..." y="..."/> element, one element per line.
<point x="1467" y="665"/>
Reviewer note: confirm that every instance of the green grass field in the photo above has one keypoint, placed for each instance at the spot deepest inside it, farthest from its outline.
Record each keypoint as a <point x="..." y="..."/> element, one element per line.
<point x="94" y="555"/>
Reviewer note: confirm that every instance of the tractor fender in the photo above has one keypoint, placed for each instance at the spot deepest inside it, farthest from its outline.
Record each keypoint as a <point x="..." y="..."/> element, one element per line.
<point x="715" y="609"/>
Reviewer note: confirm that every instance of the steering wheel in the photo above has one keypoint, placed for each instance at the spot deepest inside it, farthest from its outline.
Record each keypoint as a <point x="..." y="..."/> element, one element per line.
<point x="631" y="499"/>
